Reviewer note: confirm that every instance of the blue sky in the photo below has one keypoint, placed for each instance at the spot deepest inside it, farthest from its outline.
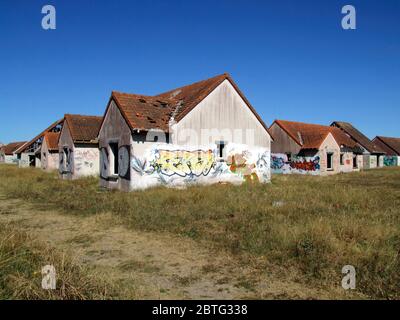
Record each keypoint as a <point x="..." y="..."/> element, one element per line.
<point x="291" y="59"/>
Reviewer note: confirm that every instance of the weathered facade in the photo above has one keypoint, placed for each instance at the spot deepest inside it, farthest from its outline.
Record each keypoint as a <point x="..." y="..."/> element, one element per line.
<point x="201" y="123"/>
<point x="373" y="156"/>
<point x="78" y="146"/>
<point x="49" y="151"/>
<point x="29" y="155"/>
<point x="7" y="152"/>
<point x="312" y="149"/>
<point x="392" y="148"/>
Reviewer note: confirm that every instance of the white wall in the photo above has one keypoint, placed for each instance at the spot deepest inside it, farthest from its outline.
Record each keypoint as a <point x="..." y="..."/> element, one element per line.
<point x="86" y="162"/>
<point x="225" y="111"/>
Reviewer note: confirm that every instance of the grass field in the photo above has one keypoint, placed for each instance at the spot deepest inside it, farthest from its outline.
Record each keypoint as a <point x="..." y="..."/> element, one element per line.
<point x="298" y="230"/>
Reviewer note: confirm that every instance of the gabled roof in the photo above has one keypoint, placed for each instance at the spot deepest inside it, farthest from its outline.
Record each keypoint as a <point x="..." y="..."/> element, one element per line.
<point x="155" y="112"/>
<point x="40" y="135"/>
<point x="83" y="128"/>
<point x="51" y="139"/>
<point x="311" y="136"/>
<point x="9" y="149"/>
<point x="357" y="136"/>
<point x="388" y="144"/>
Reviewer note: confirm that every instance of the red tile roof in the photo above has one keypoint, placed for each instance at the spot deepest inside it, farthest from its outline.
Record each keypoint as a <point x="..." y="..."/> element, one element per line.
<point x="388" y="144"/>
<point x="51" y="139"/>
<point x="40" y="135"/>
<point x="9" y="149"/>
<point x="150" y="112"/>
<point x="83" y="128"/>
<point x="311" y="136"/>
<point x="357" y="136"/>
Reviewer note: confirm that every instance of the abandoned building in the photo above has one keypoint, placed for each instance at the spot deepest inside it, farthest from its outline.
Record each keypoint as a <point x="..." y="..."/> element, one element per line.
<point x="49" y="151"/>
<point x="204" y="132"/>
<point x="78" y="146"/>
<point x="373" y="156"/>
<point x="7" y="152"/>
<point x="312" y="149"/>
<point x="392" y="148"/>
<point x="29" y="155"/>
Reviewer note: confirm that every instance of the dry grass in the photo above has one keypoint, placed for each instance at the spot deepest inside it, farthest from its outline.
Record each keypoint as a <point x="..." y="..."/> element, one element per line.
<point x="306" y="227"/>
<point x="21" y="260"/>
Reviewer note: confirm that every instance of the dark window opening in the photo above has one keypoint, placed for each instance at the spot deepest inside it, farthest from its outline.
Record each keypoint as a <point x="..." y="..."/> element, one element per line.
<point x="220" y="148"/>
<point x="32" y="161"/>
<point x="114" y="158"/>
<point x="289" y="157"/>
<point x="329" y="161"/>
<point x="342" y="159"/>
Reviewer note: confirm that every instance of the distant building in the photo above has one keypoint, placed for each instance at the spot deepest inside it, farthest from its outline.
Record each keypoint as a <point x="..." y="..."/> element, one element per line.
<point x="78" y="146"/>
<point x="306" y="148"/>
<point x="392" y="148"/>
<point x="49" y="151"/>
<point x="373" y="156"/>
<point x="29" y="155"/>
<point x="209" y="133"/>
<point x="7" y="154"/>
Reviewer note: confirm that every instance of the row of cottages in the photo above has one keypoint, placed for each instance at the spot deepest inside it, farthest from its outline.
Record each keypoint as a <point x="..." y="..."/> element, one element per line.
<point x="373" y="155"/>
<point x="312" y="149"/>
<point x="7" y="154"/>
<point x="392" y="148"/>
<point x="30" y="154"/>
<point x="78" y="146"/>
<point x="207" y="131"/>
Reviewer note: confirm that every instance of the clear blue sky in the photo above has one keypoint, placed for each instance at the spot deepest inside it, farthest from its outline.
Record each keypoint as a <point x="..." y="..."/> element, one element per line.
<point x="292" y="59"/>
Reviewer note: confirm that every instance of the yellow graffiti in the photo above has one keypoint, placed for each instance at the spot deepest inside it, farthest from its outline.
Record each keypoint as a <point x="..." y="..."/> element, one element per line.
<point x="184" y="163"/>
<point x="240" y="166"/>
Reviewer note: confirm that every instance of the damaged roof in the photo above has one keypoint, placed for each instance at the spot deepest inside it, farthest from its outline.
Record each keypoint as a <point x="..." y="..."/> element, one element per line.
<point x="311" y="136"/>
<point x="10" y="148"/>
<point x="51" y="139"/>
<point x="83" y="128"/>
<point x="389" y="144"/>
<point x="357" y="136"/>
<point x="40" y="135"/>
<point x="155" y="112"/>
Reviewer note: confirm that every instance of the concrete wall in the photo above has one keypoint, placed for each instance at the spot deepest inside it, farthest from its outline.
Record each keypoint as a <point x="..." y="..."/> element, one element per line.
<point x="221" y="116"/>
<point x="116" y="130"/>
<point x="180" y="166"/>
<point x="282" y="143"/>
<point x="49" y="159"/>
<point x="347" y="165"/>
<point x="66" y="148"/>
<point x="86" y="161"/>
<point x="390" y="161"/>
<point x="329" y="146"/>
<point x="9" y="159"/>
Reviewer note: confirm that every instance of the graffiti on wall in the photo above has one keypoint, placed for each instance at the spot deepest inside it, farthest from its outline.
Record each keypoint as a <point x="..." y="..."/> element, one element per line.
<point x="66" y="161"/>
<point x="85" y="160"/>
<point x="178" y="166"/>
<point x="390" y="161"/>
<point x="298" y="164"/>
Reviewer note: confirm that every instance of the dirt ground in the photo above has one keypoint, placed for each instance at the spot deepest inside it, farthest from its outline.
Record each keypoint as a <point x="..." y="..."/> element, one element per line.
<point x="153" y="265"/>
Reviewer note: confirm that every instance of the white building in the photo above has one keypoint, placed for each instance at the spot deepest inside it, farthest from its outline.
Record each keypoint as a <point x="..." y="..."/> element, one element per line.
<point x="204" y="131"/>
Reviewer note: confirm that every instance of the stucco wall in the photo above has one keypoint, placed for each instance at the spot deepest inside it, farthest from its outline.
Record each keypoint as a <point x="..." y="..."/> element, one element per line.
<point x="9" y="159"/>
<point x="66" y="166"/>
<point x="329" y="146"/>
<point x="86" y="161"/>
<point x="347" y="165"/>
<point x="49" y="159"/>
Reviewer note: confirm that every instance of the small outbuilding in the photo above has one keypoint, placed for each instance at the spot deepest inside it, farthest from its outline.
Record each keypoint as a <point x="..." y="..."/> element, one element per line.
<point x="373" y="156"/>
<point x="306" y="148"/>
<point x="7" y="152"/>
<point x="205" y="132"/>
<point x="49" y="151"/>
<point x="392" y="148"/>
<point x="78" y="146"/>
<point x="30" y="154"/>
